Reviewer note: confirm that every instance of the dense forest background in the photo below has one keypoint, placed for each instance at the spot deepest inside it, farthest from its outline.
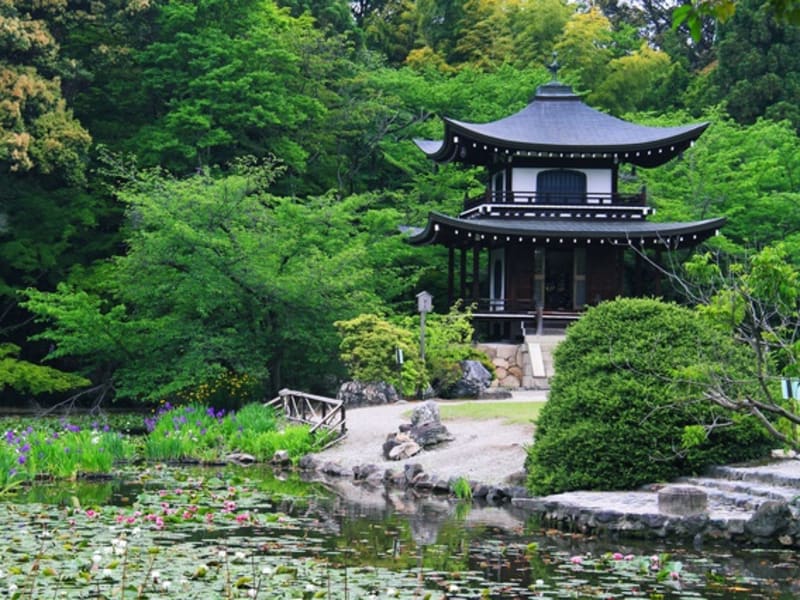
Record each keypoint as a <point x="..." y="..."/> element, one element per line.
<point x="193" y="192"/>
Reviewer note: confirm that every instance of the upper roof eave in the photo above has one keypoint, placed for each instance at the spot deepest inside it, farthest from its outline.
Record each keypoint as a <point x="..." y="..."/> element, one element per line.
<point x="676" y="135"/>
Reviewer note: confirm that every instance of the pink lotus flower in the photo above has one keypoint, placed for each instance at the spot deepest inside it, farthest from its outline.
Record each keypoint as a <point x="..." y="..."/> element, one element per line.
<point x="242" y="517"/>
<point x="617" y="556"/>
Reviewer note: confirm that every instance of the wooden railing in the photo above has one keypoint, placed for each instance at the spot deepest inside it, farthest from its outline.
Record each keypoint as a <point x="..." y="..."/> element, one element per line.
<point x="531" y="318"/>
<point x="318" y="412"/>
<point x="549" y="198"/>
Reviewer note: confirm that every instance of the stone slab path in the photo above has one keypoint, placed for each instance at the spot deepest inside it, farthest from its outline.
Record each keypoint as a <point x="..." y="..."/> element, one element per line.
<point x="487" y="451"/>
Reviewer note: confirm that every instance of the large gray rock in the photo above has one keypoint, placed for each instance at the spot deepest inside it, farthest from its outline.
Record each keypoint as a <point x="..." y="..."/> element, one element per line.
<point x="358" y="393"/>
<point x="772" y="517"/>
<point x="427" y="412"/>
<point x="426" y="427"/>
<point x="400" y="446"/>
<point x="430" y="433"/>
<point x="475" y="378"/>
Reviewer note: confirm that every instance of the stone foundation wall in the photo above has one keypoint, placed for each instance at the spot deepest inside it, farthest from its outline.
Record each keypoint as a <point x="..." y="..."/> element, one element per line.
<point x="509" y="366"/>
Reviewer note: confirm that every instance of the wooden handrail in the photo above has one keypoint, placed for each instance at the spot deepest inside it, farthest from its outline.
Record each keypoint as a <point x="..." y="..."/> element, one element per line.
<point x="521" y="197"/>
<point x="297" y="405"/>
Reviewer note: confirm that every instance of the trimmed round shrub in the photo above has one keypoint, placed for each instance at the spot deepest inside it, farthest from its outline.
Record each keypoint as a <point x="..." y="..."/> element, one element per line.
<point x="626" y="404"/>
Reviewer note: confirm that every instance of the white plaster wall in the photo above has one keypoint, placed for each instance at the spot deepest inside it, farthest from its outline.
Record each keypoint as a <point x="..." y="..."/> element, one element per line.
<point x="598" y="181"/>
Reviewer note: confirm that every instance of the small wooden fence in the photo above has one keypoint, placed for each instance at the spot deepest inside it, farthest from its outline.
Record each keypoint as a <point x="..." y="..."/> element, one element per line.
<point x="319" y="412"/>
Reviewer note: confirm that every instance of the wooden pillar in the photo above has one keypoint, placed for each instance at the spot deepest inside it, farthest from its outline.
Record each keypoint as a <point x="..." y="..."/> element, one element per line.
<point x="657" y="290"/>
<point x="451" y="266"/>
<point x="638" y="286"/>
<point x="620" y="271"/>
<point x="476" y="278"/>
<point x="463" y="286"/>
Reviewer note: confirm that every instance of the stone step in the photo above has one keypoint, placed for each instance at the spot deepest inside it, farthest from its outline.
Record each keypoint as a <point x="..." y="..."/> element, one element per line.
<point x="723" y="493"/>
<point x="783" y="473"/>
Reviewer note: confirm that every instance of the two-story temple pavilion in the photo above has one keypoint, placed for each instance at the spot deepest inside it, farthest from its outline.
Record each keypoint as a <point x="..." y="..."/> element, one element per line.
<point x="551" y="232"/>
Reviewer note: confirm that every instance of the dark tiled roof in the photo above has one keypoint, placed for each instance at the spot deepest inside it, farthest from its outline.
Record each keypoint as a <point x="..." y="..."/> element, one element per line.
<point x="558" y="121"/>
<point x="441" y="228"/>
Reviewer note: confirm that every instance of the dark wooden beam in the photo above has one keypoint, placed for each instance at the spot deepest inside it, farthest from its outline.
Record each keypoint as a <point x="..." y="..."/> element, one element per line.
<point x="463" y="269"/>
<point x="476" y="278"/>
<point x="451" y="266"/>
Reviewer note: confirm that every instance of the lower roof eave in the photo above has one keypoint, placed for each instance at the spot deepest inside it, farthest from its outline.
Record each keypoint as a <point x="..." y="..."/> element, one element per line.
<point x="451" y="231"/>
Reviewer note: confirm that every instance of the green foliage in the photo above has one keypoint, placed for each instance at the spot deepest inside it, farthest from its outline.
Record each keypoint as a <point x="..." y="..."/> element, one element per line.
<point x="22" y="375"/>
<point x="368" y="348"/>
<point x="745" y="173"/>
<point x="214" y="282"/>
<point x="448" y="341"/>
<point x="369" y="343"/>
<point x="63" y="451"/>
<point x="621" y="401"/>
<point x="754" y="297"/>
<point x="194" y="432"/>
<point x="462" y="489"/>
<point x="759" y="64"/>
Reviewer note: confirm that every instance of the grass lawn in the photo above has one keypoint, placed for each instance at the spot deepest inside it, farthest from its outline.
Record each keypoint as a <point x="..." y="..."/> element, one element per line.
<point x="511" y="412"/>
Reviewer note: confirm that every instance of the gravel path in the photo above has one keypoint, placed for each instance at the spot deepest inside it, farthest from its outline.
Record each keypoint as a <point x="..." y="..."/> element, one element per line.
<point x="488" y="451"/>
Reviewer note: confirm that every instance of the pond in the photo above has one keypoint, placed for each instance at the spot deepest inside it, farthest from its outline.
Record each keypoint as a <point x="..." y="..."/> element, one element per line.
<point x="160" y="532"/>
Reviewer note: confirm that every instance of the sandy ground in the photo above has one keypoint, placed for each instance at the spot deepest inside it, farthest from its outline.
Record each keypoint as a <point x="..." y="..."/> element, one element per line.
<point x="486" y="451"/>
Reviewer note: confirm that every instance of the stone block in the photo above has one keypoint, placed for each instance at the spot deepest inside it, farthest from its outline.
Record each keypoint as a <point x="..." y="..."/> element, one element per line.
<point x="509" y="381"/>
<point x="500" y="363"/>
<point x="682" y="500"/>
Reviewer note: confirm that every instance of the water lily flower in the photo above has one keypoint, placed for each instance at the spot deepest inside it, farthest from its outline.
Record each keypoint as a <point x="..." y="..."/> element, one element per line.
<point x="391" y="592"/>
<point x="156" y="575"/>
<point x="539" y="582"/>
<point x="91" y="513"/>
<point x="576" y="560"/>
<point x="617" y="556"/>
<point x="453" y="588"/>
<point x="96" y="558"/>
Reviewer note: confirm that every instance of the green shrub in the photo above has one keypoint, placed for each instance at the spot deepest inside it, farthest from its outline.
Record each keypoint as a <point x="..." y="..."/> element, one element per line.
<point x="369" y="343"/>
<point x="622" y="408"/>
<point x="368" y="348"/>
<point x="448" y="342"/>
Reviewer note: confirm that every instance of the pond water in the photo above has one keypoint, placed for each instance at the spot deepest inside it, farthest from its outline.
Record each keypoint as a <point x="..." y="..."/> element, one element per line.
<point x="234" y="533"/>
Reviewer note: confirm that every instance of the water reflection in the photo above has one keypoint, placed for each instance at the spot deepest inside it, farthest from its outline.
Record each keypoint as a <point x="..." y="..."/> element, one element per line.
<point x="447" y="544"/>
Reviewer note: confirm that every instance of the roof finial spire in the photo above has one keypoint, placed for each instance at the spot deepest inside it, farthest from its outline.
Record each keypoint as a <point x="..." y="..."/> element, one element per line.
<point x="553" y="67"/>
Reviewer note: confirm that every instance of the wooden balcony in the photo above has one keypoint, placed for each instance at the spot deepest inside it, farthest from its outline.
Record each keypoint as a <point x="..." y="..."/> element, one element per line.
<point x="522" y="199"/>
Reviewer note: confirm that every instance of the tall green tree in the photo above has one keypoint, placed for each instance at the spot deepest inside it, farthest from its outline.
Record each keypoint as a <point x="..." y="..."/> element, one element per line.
<point x="222" y="79"/>
<point x="747" y="173"/>
<point x="48" y="219"/>
<point x="217" y="278"/>
<point x="759" y="65"/>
